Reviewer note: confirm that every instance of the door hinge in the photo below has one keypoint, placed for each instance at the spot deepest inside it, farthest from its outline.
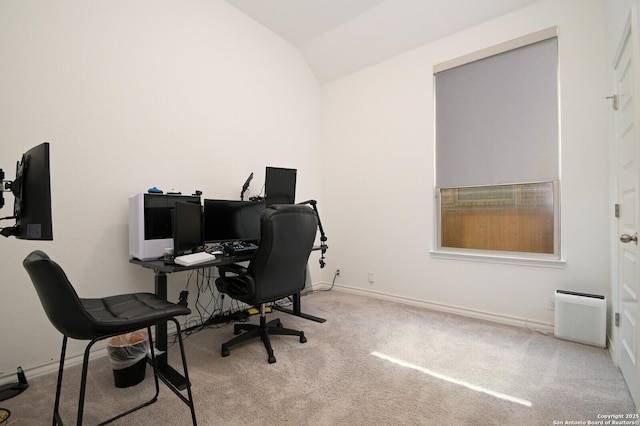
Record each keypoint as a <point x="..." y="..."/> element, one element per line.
<point x="615" y="99"/>
<point x="616" y="317"/>
<point x="616" y="209"/>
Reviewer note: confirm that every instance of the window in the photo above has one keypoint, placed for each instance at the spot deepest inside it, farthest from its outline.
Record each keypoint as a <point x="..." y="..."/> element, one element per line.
<point x="497" y="149"/>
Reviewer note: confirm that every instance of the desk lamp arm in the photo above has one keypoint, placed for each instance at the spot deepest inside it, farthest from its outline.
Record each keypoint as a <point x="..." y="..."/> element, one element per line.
<point x="245" y="186"/>
<point x="323" y="237"/>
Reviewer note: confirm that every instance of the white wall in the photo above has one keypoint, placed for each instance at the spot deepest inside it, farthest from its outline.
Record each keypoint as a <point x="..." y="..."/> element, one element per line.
<point x="379" y="141"/>
<point x="178" y="95"/>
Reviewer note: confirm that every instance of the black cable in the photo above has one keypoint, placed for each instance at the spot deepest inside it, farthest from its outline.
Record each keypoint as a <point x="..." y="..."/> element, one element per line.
<point x="209" y="313"/>
<point x="335" y="275"/>
<point x="206" y="278"/>
<point x="202" y="285"/>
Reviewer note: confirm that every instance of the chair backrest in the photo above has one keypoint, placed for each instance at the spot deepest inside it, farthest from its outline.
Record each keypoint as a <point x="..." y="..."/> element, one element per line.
<point x="58" y="297"/>
<point x="287" y="234"/>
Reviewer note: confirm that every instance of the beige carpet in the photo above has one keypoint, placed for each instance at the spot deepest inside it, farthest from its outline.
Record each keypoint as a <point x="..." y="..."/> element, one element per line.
<point x="372" y="363"/>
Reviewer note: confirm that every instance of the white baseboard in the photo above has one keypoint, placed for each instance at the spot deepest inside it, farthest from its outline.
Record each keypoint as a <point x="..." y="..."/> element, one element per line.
<point x="52" y="365"/>
<point x="542" y="326"/>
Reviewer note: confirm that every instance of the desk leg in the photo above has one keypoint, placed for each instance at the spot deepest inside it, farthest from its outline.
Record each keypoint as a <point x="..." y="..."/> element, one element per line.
<point x="166" y="372"/>
<point x="296" y="310"/>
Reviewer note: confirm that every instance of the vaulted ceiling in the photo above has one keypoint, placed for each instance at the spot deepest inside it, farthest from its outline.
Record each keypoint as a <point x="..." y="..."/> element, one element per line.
<point x="339" y="37"/>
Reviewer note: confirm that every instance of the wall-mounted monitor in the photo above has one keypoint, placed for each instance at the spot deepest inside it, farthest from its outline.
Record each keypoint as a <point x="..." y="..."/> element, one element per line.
<point x="32" y="191"/>
<point x="280" y="185"/>
<point x="230" y="220"/>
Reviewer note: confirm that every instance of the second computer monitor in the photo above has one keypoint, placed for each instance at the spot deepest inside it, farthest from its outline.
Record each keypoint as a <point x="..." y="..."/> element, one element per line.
<point x="187" y="228"/>
<point x="231" y="220"/>
<point x="280" y="185"/>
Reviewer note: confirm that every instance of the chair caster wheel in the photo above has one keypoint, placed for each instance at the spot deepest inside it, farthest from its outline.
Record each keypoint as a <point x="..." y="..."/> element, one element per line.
<point x="303" y="339"/>
<point x="225" y="352"/>
<point x="272" y="359"/>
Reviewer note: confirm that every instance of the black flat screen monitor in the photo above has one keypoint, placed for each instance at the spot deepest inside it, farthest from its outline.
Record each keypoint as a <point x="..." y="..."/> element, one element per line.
<point x="280" y="185"/>
<point x="187" y="228"/>
<point x="230" y="220"/>
<point x="32" y="191"/>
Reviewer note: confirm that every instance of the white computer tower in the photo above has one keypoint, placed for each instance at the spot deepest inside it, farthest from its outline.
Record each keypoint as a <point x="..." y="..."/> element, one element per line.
<point x="150" y="230"/>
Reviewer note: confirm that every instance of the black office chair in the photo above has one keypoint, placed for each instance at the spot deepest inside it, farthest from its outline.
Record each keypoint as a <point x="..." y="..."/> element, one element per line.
<point x="277" y="270"/>
<point x="99" y="319"/>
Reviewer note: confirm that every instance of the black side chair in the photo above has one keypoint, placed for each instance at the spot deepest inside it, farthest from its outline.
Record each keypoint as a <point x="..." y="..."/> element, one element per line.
<point x="99" y="319"/>
<point x="276" y="271"/>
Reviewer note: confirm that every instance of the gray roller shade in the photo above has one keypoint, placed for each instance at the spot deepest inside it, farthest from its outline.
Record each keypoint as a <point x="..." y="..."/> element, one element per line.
<point x="497" y="118"/>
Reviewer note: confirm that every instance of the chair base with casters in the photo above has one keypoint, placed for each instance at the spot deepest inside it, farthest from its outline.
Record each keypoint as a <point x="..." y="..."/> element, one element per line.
<point x="99" y="319"/>
<point x="263" y="330"/>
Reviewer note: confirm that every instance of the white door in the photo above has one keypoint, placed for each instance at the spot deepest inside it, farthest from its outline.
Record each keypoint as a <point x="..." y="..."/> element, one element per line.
<point x="628" y="167"/>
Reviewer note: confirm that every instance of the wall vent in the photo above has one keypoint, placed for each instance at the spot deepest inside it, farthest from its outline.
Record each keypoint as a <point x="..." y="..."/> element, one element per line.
<point x="581" y="318"/>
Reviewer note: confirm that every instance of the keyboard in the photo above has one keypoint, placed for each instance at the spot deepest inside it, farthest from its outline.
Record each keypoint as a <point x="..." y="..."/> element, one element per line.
<point x="239" y="248"/>
<point x="194" y="258"/>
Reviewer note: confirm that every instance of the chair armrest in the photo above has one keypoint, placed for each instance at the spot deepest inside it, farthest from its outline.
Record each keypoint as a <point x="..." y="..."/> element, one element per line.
<point x="238" y="284"/>
<point x="233" y="268"/>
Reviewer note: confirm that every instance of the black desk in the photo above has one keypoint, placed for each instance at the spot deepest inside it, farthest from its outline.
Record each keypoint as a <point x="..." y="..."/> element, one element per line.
<point x="161" y="269"/>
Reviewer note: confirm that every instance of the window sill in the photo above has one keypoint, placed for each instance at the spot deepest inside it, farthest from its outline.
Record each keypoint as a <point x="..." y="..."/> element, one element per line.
<point x="496" y="258"/>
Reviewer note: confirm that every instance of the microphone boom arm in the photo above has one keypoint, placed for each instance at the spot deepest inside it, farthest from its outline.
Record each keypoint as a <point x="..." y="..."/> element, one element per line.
<point x="323" y="236"/>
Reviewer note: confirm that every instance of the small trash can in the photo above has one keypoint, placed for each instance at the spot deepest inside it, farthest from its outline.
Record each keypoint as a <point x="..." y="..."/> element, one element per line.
<point x="128" y="355"/>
